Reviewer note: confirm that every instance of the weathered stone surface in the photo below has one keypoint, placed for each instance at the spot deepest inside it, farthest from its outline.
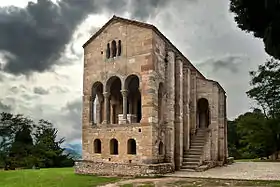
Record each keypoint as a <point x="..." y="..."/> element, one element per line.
<point x="117" y="169"/>
<point x="132" y="106"/>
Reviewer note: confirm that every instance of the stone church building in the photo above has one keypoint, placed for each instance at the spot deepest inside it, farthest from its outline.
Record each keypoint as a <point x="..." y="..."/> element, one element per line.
<point x="146" y="108"/>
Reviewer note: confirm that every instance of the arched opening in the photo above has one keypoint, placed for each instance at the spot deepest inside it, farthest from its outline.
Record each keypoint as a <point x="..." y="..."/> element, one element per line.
<point x="114" y="147"/>
<point x="115" y="98"/>
<point x="97" y="146"/>
<point x="119" y="48"/>
<point x="131" y="147"/>
<point x="160" y="148"/>
<point x="134" y="104"/>
<point x="114" y="48"/>
<point x="108" y="51"/>
<point x="96" y="103"/>
<point x="203" y="113"/>
<point x="160" y="103"/>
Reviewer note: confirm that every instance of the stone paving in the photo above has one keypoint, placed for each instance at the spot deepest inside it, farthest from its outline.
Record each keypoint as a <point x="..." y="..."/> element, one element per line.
<point x="239" y="170"/>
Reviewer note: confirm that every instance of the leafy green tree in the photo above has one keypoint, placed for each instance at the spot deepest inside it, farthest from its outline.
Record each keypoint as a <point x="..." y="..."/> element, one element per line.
<point x="262" y="18"/>
<point x="233" y="140"/>
<point x="21" y="149"/>
<point x="266" y="91"/>
<point x="48" y="150"/>
<point x="255" y="135"/>
<point x="6" y="136"/>
<point x="25" y="144"/>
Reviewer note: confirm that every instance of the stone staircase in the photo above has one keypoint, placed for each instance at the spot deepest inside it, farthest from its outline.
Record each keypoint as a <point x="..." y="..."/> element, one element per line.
<point x="191" y="157"/>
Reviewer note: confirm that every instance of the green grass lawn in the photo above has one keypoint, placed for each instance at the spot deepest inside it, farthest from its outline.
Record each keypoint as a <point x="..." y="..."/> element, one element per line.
<point x="56" y="177"/>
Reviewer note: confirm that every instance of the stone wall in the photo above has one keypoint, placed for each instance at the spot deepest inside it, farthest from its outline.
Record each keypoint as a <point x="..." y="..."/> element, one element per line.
<point x="154" y="61"/>
<point x="215" y="148"/>
<point x="117" y="169"/>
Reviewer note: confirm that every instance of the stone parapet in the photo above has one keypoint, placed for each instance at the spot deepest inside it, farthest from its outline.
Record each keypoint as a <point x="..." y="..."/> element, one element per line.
<point x="121" y="169"/>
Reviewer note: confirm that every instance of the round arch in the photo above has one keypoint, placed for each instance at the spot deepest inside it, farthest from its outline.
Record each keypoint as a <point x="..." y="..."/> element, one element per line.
<point x="129" y="80"/>
<point x="134" y="104"/>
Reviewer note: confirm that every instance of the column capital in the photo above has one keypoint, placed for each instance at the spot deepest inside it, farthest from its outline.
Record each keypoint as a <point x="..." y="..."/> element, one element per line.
<point x="124" y="93"/>
<point x="178" y="57"/>
<point x="106" y="94"/>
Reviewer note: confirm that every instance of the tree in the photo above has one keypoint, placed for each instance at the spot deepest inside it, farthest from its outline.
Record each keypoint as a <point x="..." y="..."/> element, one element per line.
<point x="262" y="18"/>
<point x="255" y="135"/>
<point x="266" y="91"/>
<point x="25" y="144"/>
<point x="20" y="154"/>
<point x="48" y="150"/>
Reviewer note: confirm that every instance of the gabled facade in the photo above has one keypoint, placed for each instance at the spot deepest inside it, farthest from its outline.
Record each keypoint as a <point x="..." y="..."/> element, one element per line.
<point x="146" y="108"/>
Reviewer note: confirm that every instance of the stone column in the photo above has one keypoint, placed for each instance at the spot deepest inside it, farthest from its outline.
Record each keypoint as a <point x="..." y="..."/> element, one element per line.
<point x="107" y="107"/>
<point x="91" y="107"/>
<point x="170" y="107"/>
<point x="225" y="126"/>
<point x="179" y="112"/>
<point x="86" y="113"/>
<point x="193" y="102"/>
<point x="124" y="95"/>
<point x="188" y="107"/>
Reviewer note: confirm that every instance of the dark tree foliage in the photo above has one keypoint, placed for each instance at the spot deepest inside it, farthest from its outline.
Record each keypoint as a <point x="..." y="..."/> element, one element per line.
<point x="25" y="144"/>
<point x="262" y="18"/>
<point x="251" y="135"/>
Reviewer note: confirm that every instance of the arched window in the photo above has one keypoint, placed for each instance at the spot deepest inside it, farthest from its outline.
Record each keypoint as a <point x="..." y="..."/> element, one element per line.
<point x="132" y="84"/>
<point x="160" y="148"/>
<point x="131" y="147"/>
<point x="108" y="51"/>
<point x="119" y="48"/>
<point x="114" y="48"/>
<point x="97" y="146"/>
<point x="96" y="103"/>
<point x="114" y="147"/>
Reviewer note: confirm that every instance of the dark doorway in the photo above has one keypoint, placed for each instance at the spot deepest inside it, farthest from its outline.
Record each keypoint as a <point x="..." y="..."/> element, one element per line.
<point x="203" y="113"/>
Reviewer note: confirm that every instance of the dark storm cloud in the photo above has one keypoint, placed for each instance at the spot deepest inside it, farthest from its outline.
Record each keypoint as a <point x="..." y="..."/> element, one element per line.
<point x="40" y="91"/>
<point x="35" y="36"/>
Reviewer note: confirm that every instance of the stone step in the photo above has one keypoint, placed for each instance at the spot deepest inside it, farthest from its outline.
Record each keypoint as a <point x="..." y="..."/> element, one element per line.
<point x="198" y="142"/>
<point x="188" y="167"/>
<point x="196" y="149"/>
<point x="191" y="156"/>
<point x="193" y="152"/>
<point x="190" y="163"/>
<point x="196" y="146"/>
<point x="187" y="170"/>
<point x="191" y="159"/>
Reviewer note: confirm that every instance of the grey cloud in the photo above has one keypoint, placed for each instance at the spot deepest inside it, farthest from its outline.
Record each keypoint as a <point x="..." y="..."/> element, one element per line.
<point x="40" y="91"/>
<point x="59" y="89"/>
<point x="233" y="63"/>
<point x="29" y="97"/>
<point x="145" y="8"/>
<point x="53" y="89"/>
<point x="36" y="36"/>
<point x="17" y="89"/>
<point x="4" y="107"/>
<point x="73" y="115"/>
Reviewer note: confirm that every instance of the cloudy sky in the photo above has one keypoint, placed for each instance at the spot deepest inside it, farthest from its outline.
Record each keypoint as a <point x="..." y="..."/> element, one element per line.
<point x="41" y="51"/>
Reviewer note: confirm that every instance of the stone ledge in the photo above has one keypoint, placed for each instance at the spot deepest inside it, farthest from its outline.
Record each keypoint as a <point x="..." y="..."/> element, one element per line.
<point x="121" y="169"/>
